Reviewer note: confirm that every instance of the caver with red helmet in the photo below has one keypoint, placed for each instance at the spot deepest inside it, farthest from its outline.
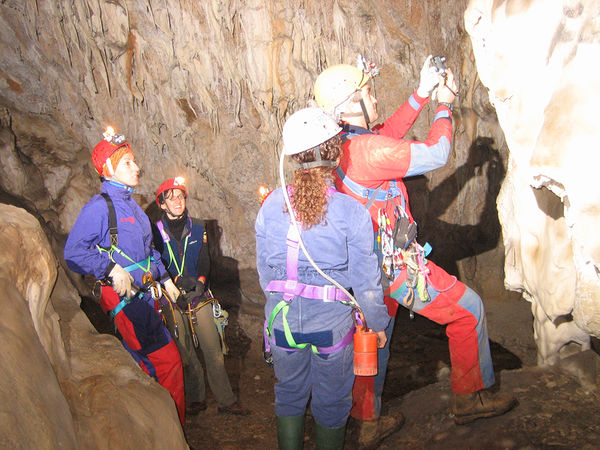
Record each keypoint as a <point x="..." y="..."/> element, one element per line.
<point x="171" y="183"/>
<point x="108" y="152"/>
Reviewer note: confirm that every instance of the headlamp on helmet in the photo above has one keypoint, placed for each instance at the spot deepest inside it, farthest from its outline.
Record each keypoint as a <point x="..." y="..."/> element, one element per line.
<point x="101" y="155"/>
<point x="336" y="86"/>
<point x="171" y="183"/>
<point x="110" y="136"/>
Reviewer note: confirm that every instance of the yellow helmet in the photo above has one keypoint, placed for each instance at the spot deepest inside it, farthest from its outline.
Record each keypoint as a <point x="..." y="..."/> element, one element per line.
<point x="336" y="85"/>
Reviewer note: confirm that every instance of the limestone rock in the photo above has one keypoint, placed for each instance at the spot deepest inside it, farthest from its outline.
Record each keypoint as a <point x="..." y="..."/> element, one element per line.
<point x="534" y="57"/>
<point x="64" y="385"/>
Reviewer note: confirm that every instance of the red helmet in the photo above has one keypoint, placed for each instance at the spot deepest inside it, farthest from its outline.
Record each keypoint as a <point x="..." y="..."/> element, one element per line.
<point x="105" y="148"/>
<point x="171" y="183"/>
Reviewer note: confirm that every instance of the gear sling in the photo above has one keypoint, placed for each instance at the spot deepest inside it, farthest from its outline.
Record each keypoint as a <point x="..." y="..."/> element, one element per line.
<point x="149" y="283"/>
<point x="291" y="288"/>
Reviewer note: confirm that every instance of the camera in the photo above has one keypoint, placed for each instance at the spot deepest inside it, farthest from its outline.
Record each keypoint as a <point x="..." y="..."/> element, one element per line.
<point x="439" y="62"/>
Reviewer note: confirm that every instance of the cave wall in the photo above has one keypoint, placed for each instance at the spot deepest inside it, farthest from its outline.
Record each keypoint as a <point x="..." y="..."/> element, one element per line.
<point x="64" y="385"/>
<point x="537" y="58"/>
<point x="201" y="89"/>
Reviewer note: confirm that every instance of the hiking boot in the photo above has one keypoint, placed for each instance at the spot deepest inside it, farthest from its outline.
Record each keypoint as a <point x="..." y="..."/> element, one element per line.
<point x="195" y="407"/>
<point x="469" y="407"/>
<point x="235" y="408"/>
<point x="372" y="432"/>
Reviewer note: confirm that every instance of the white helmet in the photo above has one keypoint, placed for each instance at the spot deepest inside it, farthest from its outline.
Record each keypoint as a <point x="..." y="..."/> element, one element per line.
<point x="306" y="129"/>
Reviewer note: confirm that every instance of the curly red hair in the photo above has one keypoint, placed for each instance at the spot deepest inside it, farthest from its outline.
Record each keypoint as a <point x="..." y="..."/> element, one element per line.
<point x="309" y="186"/>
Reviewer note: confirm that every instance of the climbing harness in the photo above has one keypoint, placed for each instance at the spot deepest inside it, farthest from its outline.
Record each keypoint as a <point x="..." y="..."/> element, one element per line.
<point x="221" y="317"/>
<point x="397" y="245"/>
<point x="148" y="283"/>
<point x="291" y="288"/>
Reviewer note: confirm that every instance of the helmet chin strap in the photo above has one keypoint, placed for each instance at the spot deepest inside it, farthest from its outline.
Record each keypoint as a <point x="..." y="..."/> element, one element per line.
<point x="364" y="114"/>
<point x="318" y="162"/>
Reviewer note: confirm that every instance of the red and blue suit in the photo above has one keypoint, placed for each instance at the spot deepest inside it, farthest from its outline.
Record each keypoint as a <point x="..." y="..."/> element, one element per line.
<point x="140" y="325"/>
<point x="372" y="168"/>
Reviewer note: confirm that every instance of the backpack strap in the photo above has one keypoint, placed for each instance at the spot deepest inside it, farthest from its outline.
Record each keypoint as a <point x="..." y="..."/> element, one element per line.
<point x="112" y="220"/>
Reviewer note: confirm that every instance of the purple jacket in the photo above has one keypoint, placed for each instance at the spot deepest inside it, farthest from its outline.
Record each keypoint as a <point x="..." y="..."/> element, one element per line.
<point x="91" y="229"/>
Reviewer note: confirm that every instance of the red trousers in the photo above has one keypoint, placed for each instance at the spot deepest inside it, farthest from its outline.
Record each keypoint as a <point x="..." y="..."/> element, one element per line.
<point x="149" y="342"/>
<point x="451" y="303"/>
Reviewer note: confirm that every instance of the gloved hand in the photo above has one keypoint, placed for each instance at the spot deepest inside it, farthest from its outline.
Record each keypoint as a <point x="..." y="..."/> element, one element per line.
<point x="199" y="289"/>
<point x="447" y="88"/>
<point x="185" y="283"/>
<point x="183" y="301"/>
<point x="121" y="281"/>
<point x="172" y="291"/>
<point x="428" y="80"/>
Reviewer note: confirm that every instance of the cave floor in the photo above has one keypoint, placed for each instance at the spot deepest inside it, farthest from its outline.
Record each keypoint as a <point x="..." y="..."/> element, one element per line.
<point x="558" y="406"/>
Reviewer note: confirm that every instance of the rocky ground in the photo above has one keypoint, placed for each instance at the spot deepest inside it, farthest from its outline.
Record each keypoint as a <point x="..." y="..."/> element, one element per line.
<point x="558" y="406"/>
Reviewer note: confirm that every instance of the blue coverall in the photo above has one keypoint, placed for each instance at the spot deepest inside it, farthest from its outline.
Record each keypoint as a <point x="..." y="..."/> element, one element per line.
<point x="343" y="249"/>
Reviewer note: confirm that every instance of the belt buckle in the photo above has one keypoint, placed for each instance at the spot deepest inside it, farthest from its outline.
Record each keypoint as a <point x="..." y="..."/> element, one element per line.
<point x="325" y="292"/>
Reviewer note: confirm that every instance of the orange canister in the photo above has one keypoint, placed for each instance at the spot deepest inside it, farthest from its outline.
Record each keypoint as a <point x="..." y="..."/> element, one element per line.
<point x="365" y="352"/>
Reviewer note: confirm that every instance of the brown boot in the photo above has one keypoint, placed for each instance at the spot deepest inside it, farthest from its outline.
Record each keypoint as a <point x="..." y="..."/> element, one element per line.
<point x="469" y="407"/>
<point x="372" y="432"/>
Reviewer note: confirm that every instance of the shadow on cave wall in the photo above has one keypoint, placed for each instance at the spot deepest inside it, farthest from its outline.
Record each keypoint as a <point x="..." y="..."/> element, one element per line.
<point x="454" y="242"/>
<point x="419" y="347"/>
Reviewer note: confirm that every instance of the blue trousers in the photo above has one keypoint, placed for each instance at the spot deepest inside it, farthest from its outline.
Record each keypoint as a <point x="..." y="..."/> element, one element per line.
<point x="328" y="378"/>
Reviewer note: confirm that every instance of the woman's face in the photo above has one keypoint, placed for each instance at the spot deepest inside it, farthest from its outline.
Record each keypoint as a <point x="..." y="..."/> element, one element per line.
<point x="174" y="204"/>
<point x="127" y="170"/>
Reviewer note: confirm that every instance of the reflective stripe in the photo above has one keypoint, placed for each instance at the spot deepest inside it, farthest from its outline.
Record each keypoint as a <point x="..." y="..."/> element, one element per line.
<point x="444" y="114"/>
<point x="412" y="101"/>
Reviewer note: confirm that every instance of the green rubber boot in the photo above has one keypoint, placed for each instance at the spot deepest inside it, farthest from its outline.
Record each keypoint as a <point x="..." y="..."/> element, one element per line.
<point x="290" y="432"/>
<point x="330" y="438"/>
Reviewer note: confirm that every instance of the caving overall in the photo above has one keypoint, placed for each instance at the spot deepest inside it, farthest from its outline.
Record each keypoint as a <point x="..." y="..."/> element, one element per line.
<point x="189" y="256"/>
<point x="137" y="320"/>
<point x="308" y="327"/>
<point x="371" y="170"/>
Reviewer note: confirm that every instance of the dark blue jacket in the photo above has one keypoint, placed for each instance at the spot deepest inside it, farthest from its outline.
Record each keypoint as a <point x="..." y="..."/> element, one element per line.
<point x="197" y="260"/>
<point x="91" y="229"/>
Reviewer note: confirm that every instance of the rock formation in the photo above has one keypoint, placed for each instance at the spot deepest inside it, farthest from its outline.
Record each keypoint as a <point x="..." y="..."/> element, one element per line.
<point x="63" y="384"/>
<point x="201" y="90"/>
<point x="542" y="82"/>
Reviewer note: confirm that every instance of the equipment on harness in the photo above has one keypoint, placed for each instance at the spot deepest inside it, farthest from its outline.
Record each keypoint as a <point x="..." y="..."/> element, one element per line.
<point x="149" y="285"/>
<point x="405" y="232"/>
<point x="220" y="316"/>
<point x="365" y="348"/>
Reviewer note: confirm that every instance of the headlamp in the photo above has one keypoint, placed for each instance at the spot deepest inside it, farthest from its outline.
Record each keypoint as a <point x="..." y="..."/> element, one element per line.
<point x="368" y="68"/>
<point x="110" y="136"/>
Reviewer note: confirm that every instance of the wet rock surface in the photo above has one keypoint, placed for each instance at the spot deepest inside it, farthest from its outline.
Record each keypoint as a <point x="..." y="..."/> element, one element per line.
<point x="558" y="406"/>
